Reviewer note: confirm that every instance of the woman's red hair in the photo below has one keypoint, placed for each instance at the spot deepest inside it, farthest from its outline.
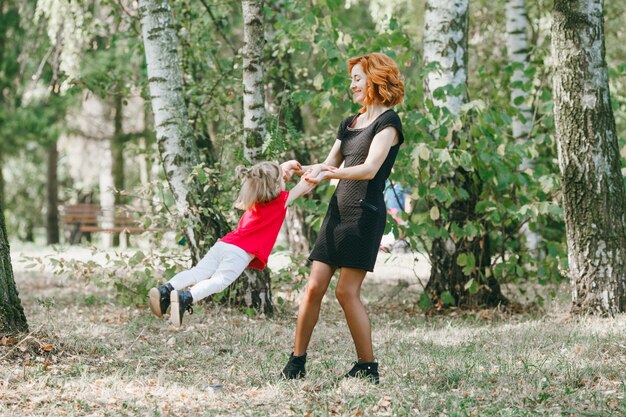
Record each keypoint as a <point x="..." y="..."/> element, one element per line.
<point x="384" y="84"/>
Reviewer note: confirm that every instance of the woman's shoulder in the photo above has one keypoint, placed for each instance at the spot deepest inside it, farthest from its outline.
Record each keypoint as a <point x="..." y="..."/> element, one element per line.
<point x="391" y="117"/>
<point x="388" y="118"/>
<point x="343" y="126"/>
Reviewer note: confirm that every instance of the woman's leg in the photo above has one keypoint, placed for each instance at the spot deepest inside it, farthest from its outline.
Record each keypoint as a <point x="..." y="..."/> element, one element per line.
<point x="309" y="310"/>
<point x="348" y="294"/>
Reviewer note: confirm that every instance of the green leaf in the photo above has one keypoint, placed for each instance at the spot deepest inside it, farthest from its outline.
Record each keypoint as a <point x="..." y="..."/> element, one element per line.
<point x="471" y="286"/>
<point x="434" y="213"/>
<point x="447" y="298"/>
<point x="136" y="258"/>
<point x="424" y="302"/>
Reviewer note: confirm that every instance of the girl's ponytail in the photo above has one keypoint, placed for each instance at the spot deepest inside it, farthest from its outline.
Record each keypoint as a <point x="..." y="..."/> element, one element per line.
<point x="260" y="184"/>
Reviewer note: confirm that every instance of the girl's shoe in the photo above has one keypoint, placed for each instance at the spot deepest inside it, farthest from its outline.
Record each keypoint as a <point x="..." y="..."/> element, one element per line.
<point x="368" y="370"/>
<point x="159" y="299"/>
<point x="295" y="367"/>
<point x="181" y="302"/>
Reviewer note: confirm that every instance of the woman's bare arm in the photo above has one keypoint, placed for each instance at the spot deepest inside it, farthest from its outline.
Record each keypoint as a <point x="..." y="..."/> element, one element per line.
<point x="379" y="149"/>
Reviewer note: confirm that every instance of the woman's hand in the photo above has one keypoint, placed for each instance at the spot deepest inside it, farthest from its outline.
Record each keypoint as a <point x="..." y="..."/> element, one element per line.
<point x="319" y="173"/>
<point x="289" y="167"/>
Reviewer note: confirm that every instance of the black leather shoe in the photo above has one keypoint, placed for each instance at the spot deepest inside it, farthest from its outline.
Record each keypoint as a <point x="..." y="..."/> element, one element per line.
<point x="159" y="299"/>
<point x="181" y="302"/>
<point x="295" y="367"/>
<point x="368" y="370"/>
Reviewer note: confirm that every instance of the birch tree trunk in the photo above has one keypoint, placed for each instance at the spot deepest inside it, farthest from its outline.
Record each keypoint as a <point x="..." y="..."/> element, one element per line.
<point x="517" y="53"/>
<point x="178" y="150"/>
<point x="253" y="89"/>
<point x="256" y="288"/>
<point x="445" y="42"/>
<point x="107" y="197"/>
<point x="12" y="318"/>
<point x="589" y="160"/>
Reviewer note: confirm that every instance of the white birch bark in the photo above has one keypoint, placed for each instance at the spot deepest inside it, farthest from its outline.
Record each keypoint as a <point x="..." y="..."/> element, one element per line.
<point x="593" y="190"/>
<point x="174" y="135"/>
<point x="107" y="196"/>
<point x="445" y="42"/>
<point x="253" y="89"/>
<point x="177" y="147"/>
<point x="517" y="52"/>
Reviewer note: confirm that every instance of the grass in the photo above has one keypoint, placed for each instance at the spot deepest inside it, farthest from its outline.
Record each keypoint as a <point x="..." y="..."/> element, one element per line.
<point x="88" y="356"/>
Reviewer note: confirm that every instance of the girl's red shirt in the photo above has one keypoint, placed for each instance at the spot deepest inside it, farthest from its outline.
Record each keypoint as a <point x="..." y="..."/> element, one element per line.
<point x="258" y="229"/>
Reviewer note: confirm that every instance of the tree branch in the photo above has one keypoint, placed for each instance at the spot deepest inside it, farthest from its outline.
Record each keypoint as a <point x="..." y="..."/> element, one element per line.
<point x="217" y="26"/>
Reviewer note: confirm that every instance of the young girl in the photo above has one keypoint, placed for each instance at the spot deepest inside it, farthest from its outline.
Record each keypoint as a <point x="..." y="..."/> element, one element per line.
<point x="264" y="199"/>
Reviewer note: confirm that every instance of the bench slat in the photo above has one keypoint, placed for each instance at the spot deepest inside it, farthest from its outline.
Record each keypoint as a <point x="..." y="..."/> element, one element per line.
<point x="88" y="217"/>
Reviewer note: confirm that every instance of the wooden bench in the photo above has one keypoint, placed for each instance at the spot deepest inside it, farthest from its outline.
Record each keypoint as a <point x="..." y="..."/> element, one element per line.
<point x="89" y="218"/>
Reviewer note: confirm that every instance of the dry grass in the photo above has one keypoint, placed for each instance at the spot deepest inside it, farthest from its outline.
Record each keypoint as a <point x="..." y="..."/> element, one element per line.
<point x="88" y="356"/>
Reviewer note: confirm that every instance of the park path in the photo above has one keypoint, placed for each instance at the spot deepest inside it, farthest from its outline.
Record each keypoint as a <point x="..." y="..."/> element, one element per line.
<point x="391" y="268"/>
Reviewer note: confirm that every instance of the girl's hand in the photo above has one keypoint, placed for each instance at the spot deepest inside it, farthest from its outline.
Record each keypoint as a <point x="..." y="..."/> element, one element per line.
<point x="289" y="167"/>
<point x="321" y="174"/>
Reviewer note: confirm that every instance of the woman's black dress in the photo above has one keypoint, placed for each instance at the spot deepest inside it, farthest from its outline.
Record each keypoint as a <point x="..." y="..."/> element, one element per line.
<point x="355" y="221"/>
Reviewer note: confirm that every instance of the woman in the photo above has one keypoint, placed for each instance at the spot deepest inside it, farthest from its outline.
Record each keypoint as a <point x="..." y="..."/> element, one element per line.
<point x="367" y="144"/>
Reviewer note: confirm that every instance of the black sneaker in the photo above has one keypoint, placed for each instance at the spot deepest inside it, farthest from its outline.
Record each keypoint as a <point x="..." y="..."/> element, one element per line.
<point x="295" y="367"/>
<point x="368" y="370"/>
<point x="181" y="302"/>
<point x="159" y="299"/>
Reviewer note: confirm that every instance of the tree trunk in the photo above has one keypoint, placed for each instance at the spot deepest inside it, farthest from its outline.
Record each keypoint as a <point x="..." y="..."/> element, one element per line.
<point x="256" y="287"/>
<point x="445" y="42"/>
<point x="589" y="160"/>
<point x="52" y="226"/>
<point x="117" y="153"/>
<point x="12" y="318"/>
<point x="253" y="88"/>
<point x="1" y="181"/>
<point x="178" y="150"/>
<point x="107" y="196"/>
<point x="517" y="52"/>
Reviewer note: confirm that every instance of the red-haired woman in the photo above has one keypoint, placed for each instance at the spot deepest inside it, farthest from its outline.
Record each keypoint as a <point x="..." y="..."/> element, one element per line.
<point x="367" y="144"/>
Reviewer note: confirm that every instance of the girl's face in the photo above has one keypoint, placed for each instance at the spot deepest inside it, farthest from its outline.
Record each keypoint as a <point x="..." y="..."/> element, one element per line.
<point x="282" y="182"/>
<point x="358" y="84"/>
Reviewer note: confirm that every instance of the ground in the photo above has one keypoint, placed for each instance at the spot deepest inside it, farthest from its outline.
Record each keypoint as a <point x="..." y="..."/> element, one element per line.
<point x="87" y="355"/>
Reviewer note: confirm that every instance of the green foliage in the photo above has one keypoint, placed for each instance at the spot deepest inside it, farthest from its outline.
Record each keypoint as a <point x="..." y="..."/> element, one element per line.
<point x="510" y="197"/>
<point x="307" y="90"/>
<point x="130" y="275"/>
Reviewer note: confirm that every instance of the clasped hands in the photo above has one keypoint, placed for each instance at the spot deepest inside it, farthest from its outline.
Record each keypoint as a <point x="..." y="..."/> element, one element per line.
<point x="313" y="175"/>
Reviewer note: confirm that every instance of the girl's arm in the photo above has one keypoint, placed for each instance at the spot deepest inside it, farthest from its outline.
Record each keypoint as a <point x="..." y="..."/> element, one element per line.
<point x="379" y="149"/>
<point x="300" y="189"/>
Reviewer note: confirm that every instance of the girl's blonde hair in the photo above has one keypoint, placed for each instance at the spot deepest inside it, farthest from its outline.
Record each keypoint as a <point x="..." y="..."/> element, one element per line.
<point x="260" y="184"/>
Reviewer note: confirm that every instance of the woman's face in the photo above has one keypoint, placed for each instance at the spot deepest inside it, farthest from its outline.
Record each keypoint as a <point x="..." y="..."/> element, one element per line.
<point x="358" y="84"/>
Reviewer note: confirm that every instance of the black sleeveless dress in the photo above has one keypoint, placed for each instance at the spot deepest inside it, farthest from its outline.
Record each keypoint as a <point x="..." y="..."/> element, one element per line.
<point x="355" y="221"/>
